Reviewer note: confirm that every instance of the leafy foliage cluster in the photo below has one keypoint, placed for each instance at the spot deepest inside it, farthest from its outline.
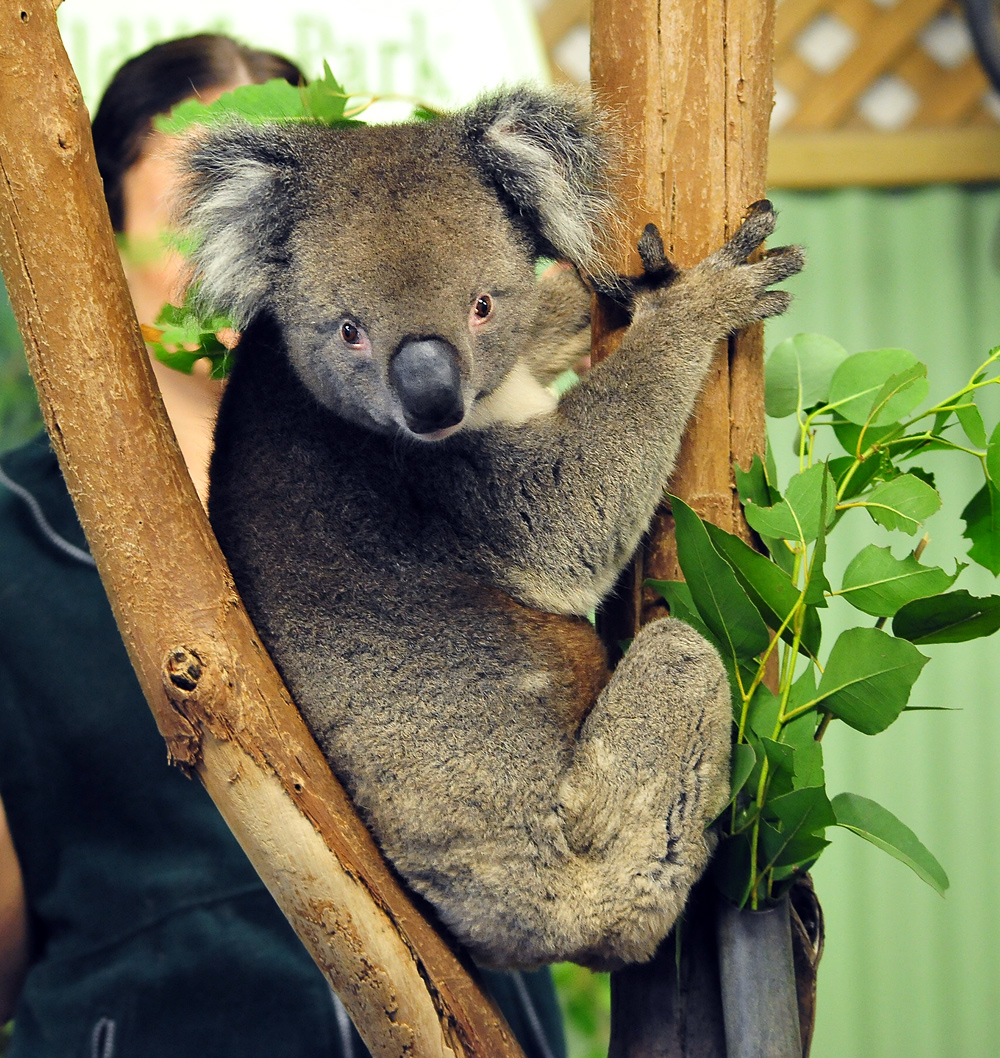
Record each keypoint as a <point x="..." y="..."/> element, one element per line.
<point x="764" y="614"/>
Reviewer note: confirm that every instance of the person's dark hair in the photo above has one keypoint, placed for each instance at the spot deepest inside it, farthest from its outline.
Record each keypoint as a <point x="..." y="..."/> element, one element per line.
<point x="158" y="79"/>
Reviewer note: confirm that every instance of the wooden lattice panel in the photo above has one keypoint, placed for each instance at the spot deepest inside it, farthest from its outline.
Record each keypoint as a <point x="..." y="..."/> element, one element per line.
<point x="879" y="92"/>
<point x="866" y="91"/>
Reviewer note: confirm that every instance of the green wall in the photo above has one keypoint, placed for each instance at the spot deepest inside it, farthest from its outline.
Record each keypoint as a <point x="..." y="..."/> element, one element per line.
<point x="907" y="974"/>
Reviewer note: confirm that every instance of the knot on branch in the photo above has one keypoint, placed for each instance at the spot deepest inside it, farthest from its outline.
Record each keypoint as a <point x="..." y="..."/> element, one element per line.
<point x="184" y="669"/>
<point x="195" y="686"/>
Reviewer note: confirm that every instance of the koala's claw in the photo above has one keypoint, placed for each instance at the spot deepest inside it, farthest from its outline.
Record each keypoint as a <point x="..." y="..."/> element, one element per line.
<point x="652" y="254"/>
<point x="756" y="227"/>
<point x="782" y="262"/>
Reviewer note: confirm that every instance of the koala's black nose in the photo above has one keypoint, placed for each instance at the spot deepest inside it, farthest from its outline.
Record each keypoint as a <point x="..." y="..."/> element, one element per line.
<point x="425" y="376"/>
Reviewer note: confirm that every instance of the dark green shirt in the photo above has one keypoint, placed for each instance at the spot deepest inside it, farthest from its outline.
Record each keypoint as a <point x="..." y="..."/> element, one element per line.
<point x="152" y="935"/>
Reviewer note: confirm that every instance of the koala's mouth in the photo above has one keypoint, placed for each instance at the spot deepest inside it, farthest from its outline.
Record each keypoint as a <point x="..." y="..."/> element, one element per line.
<point x="439" y="435"/>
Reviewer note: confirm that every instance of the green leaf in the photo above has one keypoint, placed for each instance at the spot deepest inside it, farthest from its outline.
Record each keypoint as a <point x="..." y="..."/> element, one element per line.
<point x="868" y="678"/>
<point x="797" y="516"/>
<point x="850" y="437"/>
<point x="982" y="527"/>
<point x="900" y="394"/>
<point x="993" y="457"/>
<point x="325" y="98"/>
<point x="181" y="360"/>
<point x="754" y="485"/>
<point x="743" y="762"/>
<point x="879" y="826"/>
<point x="800" y="814"/>
<point x="730" y="868"/>
<point x="817" y="585"/>
<point x="721" y="601"/>
<point x="953" y="618"/>
<point x="877" y="583"/>
<point x="781" y="756"/>
<point x="769" y="588"/>
<point x="798" y="372"/>
<point x="864" y="474"/>
<point x="903" y="503"/>
<point x="677" y="596"/>
<point x="275" y="100"/>
<point x="863" y="378"/>
<point x="972" y="423"/>
<point x="783" y="855"/>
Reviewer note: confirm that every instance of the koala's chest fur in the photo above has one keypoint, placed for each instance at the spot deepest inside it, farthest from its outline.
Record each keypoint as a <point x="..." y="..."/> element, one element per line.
<point x="369" y="584"/>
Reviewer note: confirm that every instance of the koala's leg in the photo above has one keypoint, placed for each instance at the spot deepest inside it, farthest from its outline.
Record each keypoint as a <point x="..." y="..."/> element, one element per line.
<point x="650" y="771"/>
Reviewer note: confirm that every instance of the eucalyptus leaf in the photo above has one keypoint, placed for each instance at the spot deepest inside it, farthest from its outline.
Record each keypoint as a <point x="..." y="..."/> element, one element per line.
<point x="800" y="814"/>
<point x="982" y="527"/>
<point x="903" y="503"/>
<point x="817" y="585"/>
<point x="756" y="486"/>
<point x="993" y="456"/>
<point x="780" y="756"/>
<point x="677" y="596"/>
<point x="722" y="603"/>
<point x="797" y="516"/>
<point x="742" y="765"/>
<point x="900" y="394"/>
<point x="972" y="423"/>
<point x="877" y="583"/>
<point x="953" y="618"/>
<point x="861" y="477"/>
<point x="862" y="378"/>
<point x="770" y="589"/>
<point x="730" y="867"/>
<point x="798" y="373"/>
<point x="868" y="678"/>
<point x="800" y="852"/>
<point x="850" y="436"/>
<point x="878" y="825"/>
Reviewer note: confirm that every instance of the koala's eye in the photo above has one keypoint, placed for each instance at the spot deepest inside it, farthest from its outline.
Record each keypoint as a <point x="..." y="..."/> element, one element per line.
<point x="483" y="308"/>
<point x="353" y="336"/>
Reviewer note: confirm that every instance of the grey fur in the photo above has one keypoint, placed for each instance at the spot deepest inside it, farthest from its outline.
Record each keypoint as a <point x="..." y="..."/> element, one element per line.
<point x="424" y="599"/>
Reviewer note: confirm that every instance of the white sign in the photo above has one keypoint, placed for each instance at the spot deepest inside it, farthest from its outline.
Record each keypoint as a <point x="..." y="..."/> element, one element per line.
<point x="443" y="52"/>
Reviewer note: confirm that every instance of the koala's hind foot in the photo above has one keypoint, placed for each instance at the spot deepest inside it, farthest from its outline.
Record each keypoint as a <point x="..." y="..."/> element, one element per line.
<point x="649" y="773"/>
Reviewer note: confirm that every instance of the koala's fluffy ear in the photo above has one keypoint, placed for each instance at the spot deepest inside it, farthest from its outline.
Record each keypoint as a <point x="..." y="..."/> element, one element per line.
<point x="549" y="155"/>
<point x="235" y="205"/>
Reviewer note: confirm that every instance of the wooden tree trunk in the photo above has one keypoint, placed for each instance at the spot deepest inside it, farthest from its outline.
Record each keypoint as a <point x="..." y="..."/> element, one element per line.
<point x="692" y="81"/>
<point x="216" y="696"/>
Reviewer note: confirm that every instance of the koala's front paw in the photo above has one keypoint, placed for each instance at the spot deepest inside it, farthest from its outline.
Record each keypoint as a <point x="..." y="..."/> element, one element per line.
<point x="734" y="292"/>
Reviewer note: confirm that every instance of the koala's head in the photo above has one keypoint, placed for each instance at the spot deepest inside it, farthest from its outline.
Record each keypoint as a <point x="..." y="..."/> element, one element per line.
<point x="399" y="260"/>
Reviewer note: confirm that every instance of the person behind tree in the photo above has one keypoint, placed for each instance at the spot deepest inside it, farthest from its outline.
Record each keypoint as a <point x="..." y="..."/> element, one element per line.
<point x="131" y="923"/>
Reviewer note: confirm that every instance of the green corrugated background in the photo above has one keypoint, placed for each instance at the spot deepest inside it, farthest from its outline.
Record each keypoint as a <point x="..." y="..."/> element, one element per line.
<point x="907" y="974"/>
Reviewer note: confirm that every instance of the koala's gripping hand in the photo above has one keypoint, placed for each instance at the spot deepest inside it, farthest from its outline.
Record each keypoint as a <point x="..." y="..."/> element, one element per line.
<point x="724" y="292"/>
<point x="640" y="400"/>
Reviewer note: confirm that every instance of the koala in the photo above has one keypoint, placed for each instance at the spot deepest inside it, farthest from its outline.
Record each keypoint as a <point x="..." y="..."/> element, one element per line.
<point x="418" y="527"/>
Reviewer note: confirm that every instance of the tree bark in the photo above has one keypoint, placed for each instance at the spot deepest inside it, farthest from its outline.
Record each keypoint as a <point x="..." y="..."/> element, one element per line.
<point x="692" y="82"/>
<point x="217" y="698"/>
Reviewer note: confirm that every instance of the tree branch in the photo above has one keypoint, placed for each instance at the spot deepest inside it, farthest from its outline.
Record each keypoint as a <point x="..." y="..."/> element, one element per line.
<point x="217" y="698"/>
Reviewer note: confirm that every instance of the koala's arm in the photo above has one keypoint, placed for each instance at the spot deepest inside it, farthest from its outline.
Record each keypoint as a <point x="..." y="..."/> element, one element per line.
<point x="560" y="336"/>
<point x="564" y="499"/>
